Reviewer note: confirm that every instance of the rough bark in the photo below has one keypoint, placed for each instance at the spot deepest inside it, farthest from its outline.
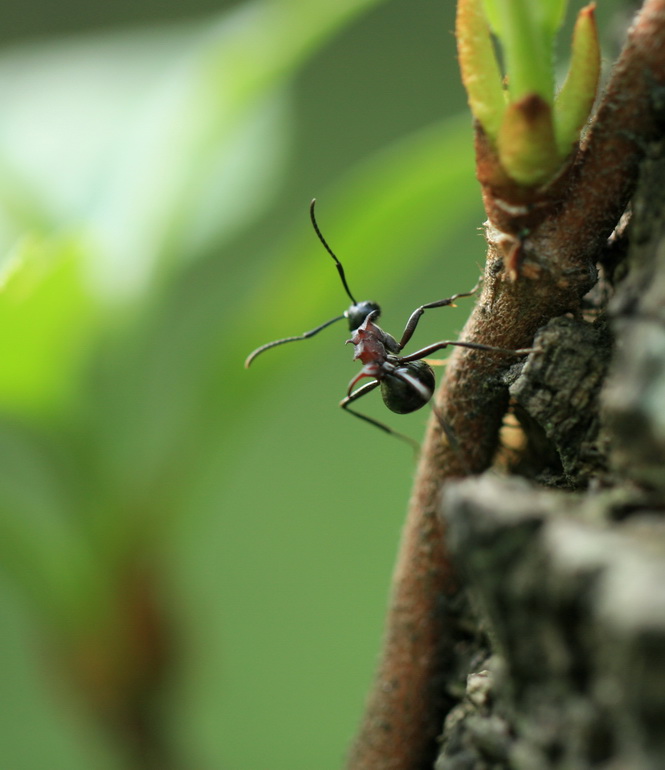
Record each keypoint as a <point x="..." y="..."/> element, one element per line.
<point x="565" y="565"/>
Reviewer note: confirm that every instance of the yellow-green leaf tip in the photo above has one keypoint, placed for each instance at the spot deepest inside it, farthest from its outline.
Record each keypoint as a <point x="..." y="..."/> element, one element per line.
<point x="574" y="101"/>
<point x="480" y="70"/>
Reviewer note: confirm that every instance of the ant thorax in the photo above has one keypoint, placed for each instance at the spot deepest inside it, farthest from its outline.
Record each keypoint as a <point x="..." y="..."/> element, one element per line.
<point x="372" y="345"/>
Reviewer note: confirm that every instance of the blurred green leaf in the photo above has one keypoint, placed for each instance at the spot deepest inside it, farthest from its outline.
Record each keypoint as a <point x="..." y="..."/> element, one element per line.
<point x="47" y="322"/>
<point x="187" y="158"/>
<point x="135" y="164"/>
<point x="43" y="550"/>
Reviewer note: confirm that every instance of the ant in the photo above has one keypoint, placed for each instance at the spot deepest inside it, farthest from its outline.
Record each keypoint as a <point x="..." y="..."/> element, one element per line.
<point x="407" y="382"/>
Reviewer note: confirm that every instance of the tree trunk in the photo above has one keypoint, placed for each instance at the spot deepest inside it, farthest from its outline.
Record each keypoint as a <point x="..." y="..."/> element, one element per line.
<point x="563" y="557"/>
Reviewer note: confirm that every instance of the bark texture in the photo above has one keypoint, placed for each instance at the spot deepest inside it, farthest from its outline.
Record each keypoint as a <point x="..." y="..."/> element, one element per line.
<point x="565" y="565"/>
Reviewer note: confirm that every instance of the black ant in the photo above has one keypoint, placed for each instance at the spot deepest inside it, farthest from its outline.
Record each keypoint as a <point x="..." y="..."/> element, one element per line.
<point x="407" y="382"/>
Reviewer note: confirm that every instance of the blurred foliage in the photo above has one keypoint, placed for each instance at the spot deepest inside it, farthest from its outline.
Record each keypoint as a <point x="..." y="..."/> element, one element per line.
<point x="193" y="557"/>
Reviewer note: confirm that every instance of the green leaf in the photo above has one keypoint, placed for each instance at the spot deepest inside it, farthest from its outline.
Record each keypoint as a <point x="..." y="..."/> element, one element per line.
<point x="527" y="45"/>
<point x="47" y="323"/>
<point x="576" y="97"/>
<point x="480" y="70"/>
<point x="164" y="142"/>
<point x="532" y="140"/>
<point x="47" y="560"/>
<point x="553" y="13"/>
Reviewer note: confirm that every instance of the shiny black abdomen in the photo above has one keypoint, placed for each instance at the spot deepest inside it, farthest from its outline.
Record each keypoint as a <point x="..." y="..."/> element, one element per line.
<point x="401" y="397"/>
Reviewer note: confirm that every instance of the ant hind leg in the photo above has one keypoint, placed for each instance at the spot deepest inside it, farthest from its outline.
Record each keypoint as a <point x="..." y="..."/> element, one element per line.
<point x="364" y="390"/>
<point x="451" y="437"/>
<point x="425" y="352"/>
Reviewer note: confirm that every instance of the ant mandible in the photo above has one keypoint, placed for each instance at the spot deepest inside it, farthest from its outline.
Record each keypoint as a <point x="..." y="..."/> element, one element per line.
<point x="407" y="382"/>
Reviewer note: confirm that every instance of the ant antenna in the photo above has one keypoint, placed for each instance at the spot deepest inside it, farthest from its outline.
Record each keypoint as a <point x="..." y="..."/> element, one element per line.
<point x="355" y="314"/>
<point x="340" y="269"/>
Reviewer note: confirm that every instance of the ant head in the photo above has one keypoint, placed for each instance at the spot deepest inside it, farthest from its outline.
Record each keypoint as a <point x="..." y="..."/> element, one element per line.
<point x="359" y="311"/>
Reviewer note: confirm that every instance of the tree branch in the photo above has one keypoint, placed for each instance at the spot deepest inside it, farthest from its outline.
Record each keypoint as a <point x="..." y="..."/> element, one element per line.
<point x="408" y="702"/>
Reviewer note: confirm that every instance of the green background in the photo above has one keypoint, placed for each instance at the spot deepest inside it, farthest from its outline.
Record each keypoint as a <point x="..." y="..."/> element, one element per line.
<point x="156" y="168"/>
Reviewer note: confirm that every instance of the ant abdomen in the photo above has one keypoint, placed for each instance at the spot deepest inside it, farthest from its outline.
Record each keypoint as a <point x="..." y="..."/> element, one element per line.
<point x="409" y="387"/>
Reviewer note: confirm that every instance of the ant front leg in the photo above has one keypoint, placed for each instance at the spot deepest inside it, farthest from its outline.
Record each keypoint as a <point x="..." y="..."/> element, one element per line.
<point x="363" y="391"/>
<point x="411" y="324"/>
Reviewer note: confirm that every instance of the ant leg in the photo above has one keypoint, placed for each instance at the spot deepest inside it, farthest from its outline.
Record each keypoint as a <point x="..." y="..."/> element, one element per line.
<point x="424" y="352"/>
<point x="364" y="390"/>
<point x="451" y="436"/>
<point x="411" y="324"/>
<point x="304" y="336"/>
